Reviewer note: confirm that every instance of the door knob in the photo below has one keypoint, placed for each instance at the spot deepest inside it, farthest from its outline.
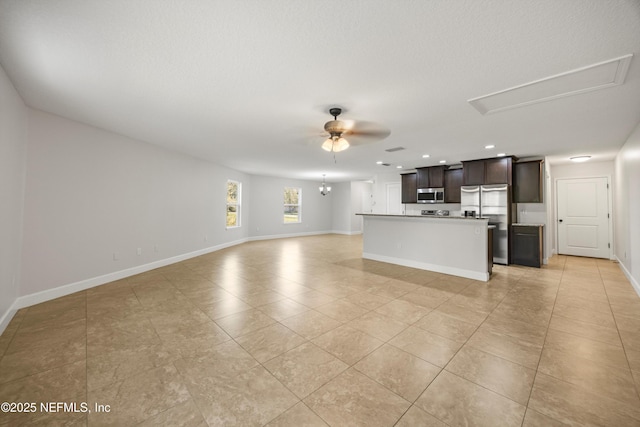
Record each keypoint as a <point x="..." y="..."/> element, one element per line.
<point x="559" y="220"/>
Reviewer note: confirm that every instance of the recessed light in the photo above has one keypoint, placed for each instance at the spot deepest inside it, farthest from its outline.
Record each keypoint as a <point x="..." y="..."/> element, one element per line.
<point x="579" y="158"/>
<point x="378" y="163"/>
<point x="398" y="167"/>
<point x="443" y="161"/>
<point x="425" y="156"/>
<point x="501" y="154"/>
<point x="489" y="147"/>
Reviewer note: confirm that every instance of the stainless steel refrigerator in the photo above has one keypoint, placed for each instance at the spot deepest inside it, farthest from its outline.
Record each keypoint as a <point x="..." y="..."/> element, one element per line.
<point x="492" y="202"/>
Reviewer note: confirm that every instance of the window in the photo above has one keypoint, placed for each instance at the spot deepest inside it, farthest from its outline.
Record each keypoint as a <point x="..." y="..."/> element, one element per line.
<point x="292" y="203"/>
<point x="234" y="195"/>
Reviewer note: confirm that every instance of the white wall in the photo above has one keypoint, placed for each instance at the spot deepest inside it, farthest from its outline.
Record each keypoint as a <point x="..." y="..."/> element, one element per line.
<point x="341" y="201"/>
<point x="627" y="207"/>
<point x="267" y="208"/>
<point x="13" y="145"/>
<point x="361" y="195"/>
<point x="380" y="190"/>
<point x="90" y="193"/>
<point x="588" y="169"/>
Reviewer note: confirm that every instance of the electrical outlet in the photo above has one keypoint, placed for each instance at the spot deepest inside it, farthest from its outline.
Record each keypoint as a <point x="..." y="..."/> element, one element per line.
<point x="206" y="238"/>
<point x="155" y="248"/>
<point x="139" y="251"/>
<point x="116" y="256"/>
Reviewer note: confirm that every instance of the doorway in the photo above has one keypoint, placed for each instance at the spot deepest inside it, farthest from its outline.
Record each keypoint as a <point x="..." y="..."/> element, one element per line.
<point x="394" y="199"/>
<point x="583" y="217"/>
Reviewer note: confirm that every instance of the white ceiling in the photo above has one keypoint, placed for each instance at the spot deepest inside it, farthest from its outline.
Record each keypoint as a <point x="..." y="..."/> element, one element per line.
<point x="247" y="83"/>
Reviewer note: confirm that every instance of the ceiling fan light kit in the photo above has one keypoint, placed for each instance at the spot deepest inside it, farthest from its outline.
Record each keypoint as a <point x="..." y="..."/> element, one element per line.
<point x="338" y="129"/>
<point x="335" y="144"/>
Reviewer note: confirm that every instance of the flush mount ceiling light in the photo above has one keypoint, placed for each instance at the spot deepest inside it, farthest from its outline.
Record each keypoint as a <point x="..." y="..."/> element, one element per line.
<point x="490" y="146"/>
<point x="443" y="161"/>
<point x="501" y="154"/>
<point x="425" y="156"/>
<point x="324" y="189"/>
<point x="586" y="79"/>
<point x="579" y="159"/>
<point x="339" y="129"/>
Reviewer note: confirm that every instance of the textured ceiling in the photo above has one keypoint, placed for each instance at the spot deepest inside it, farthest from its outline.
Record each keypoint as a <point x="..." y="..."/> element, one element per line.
<point x="247" y="84"/>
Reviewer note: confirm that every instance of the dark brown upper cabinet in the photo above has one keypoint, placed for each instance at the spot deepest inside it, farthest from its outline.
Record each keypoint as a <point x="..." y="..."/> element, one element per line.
<point x="473" y="172"/>
<point x="436" y="176"/>
<point x="431" y="177"/>
<point x="498" y="171"/>
<point x="452" y="184"/>
<point x="423" y="177"/>
<point x="527" y="182"/>
<point x="488" y="171"/>
<point x="409" y="188"/>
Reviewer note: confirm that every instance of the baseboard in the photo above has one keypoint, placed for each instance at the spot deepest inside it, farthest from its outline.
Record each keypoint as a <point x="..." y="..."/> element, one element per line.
<point x="469" y="274"/>
<point x="346" y="233"/>
<point x="6" y="317"/>
<point x="634" y="283"/>
<point x="60" y="291"/>
<point x="285" y="236"/>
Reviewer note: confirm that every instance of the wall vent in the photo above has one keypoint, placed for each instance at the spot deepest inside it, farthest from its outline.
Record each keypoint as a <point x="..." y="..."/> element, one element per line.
<point x="586" y="79"/>
<point x="391" y="150"/>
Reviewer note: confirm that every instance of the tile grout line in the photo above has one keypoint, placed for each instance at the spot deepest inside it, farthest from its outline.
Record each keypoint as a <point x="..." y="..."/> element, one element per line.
<point x="615" y="321"/>
<point x="543" y="345"/>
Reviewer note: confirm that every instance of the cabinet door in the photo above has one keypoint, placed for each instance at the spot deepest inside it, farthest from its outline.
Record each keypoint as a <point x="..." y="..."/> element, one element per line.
<point x="527" y="182"/>
<point x="436" y="176"/>
<point x="409" y="188"/>
<point x="423" y="177"/>
<point x="473" y="172"/>
<point x="498" y="171"/>
<point x="526" y="246"/>
<point x="452" y="184"/>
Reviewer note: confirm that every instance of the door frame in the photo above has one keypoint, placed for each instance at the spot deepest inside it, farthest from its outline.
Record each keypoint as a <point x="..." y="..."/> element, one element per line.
<point x="609" y="209"/>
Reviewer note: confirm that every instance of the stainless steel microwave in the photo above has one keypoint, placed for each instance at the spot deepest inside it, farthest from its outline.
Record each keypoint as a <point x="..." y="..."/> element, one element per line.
<point x="430" y="195"/>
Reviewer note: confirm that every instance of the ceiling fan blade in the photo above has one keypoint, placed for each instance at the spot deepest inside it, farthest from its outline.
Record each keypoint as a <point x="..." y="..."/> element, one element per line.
<point x="362" y="129"/>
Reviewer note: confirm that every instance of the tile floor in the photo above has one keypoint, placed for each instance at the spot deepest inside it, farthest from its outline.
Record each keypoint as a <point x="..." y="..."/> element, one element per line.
<point x="303" y="331"/>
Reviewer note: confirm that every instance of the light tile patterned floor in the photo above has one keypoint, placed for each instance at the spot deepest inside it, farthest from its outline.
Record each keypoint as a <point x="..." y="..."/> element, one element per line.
<point x="303" y="331"/>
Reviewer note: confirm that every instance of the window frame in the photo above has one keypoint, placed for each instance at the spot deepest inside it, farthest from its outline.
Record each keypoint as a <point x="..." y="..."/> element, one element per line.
<point x="298" y="205"/>
<point x="237" y="204"/>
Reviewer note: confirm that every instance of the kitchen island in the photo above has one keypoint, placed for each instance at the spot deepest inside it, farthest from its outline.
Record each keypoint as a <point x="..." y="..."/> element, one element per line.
<point x="449" y="245"/>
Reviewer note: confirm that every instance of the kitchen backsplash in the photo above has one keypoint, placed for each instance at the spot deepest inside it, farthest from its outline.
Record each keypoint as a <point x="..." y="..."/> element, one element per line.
<point x="415" y="209"/>
<point x="531" y="213"/>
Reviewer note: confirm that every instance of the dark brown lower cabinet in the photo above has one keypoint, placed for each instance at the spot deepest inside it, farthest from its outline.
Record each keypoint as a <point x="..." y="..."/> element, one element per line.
<point x="526" y="245"/>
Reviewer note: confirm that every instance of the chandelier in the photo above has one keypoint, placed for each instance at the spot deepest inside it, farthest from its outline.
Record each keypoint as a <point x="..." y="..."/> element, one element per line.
<point x="324" y="189"/>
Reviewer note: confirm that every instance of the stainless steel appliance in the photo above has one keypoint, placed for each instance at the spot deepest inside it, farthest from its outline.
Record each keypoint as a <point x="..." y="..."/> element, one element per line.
<point x="438" y="212"/>
<point x="492" y="202"/>
<point x="430" y="195"/>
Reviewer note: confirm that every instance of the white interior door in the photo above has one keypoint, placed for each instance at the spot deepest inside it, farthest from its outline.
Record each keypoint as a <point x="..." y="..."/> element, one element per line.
<point x="583" y="217"/>
<point x="394" y="199"/>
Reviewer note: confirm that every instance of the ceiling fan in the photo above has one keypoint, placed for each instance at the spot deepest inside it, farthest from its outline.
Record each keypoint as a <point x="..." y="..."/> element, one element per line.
<point x="357" y="132"/>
